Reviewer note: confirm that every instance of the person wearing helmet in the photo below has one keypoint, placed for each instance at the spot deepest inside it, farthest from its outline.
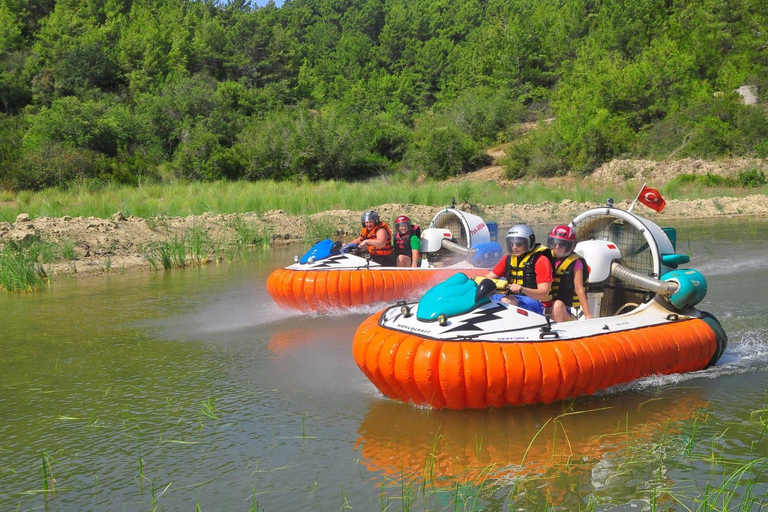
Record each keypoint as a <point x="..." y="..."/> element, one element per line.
<point x="407" y="242"/>
<point x="569" y="275"/>
<point x="528" y="271"/>
<point x="376" y="239"/>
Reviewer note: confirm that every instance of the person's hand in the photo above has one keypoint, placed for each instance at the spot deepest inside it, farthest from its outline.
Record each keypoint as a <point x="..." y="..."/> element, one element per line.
<point x="515" y="288"/>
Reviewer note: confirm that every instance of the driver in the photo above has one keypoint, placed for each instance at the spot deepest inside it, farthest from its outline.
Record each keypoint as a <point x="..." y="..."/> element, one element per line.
<point x="528" y="271"/>
<point x="375" y="238"/>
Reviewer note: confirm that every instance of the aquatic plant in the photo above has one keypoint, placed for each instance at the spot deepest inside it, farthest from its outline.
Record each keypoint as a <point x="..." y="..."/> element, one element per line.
<point x="20" y="267"/>
<point x="192" y="246"/>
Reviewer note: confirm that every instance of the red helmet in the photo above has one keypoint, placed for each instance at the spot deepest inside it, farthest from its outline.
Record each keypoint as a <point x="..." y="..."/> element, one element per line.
<point x="562" y="235"/>
<point x="403" y="219"/>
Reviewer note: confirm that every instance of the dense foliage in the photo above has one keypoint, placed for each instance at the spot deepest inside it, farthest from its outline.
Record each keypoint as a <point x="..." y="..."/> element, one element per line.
<point x="133" y="91"/>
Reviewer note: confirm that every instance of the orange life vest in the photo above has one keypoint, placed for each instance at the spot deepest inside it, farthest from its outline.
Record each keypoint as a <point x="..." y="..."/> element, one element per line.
<point x="365" y="234"/>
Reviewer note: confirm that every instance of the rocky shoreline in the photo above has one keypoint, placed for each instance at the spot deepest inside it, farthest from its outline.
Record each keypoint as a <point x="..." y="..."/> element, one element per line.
<point x="98" y="246"/>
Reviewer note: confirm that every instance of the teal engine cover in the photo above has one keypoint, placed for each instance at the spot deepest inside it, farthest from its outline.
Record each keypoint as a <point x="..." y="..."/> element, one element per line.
<point x="454" y="296"/>
<point x="691" y="287"/>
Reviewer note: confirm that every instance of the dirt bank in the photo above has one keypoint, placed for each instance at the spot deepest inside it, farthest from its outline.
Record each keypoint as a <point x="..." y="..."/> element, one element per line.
<point x="120" y="244"/>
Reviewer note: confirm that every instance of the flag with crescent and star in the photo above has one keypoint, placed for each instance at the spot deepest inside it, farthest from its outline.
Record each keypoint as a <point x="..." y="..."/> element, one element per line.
<point x="651" y="198"/>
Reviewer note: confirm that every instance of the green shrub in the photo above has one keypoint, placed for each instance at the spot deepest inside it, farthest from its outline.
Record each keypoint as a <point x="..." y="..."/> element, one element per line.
<point x="486" y="115"/>
<point x="389" y="138"/>
<point x="308" y="145"/>
<point x="761" y="149"/>
<point x="751" y="178"/>
<point x="538" y="155"/>
<point x="442" y="149"/>
<point x="705" y="180"/>
<point x="711" y="137"/>
<point x="710" y="127"/>
<point x="52" y="164"/>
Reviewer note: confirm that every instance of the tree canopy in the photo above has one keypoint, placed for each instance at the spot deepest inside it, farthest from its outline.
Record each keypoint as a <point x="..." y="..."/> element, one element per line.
<point x="126" y="91"/>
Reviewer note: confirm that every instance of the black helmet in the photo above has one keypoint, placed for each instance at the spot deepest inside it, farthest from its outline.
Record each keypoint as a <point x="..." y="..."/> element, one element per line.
<point x="369" y="215"/>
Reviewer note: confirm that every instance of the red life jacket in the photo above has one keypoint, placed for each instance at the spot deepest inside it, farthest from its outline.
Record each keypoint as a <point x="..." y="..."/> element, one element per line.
<point x="402" y="242"/>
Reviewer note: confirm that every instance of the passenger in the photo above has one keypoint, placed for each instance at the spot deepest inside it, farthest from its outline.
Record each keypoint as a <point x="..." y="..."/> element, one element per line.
<point x="407" y="243"/>
<point x="527" y="269"/>
<point x="569" y="275"/>
<point x="375" y="239"/>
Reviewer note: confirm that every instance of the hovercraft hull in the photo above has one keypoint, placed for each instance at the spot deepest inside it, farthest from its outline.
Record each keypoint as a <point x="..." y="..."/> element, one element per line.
<point x="321" y="290"/>
<point x="481" y="373"/>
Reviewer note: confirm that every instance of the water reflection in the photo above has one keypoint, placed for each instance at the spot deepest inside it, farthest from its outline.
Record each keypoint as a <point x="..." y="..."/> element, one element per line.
<point x="446" y="446"/>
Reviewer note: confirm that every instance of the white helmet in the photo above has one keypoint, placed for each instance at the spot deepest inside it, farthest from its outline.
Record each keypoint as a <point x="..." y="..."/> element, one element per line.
<point x="521" y="233"/>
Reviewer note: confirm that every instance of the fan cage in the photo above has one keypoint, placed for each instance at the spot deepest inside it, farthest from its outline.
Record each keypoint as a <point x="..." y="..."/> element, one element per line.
<point x="636" y="255"/>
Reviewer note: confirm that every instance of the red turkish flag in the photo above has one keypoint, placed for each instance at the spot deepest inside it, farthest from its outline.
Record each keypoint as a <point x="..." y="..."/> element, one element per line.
<point x="651" y="198"/>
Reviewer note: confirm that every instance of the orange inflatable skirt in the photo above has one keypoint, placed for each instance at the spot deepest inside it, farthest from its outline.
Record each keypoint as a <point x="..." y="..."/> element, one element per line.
<point x="318" y="290"/>
<point x="481" y="374"/>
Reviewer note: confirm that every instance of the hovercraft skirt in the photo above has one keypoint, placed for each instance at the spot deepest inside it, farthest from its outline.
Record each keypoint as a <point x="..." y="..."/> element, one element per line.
<point x="481" y="374"/>
<point x="318" y="290"/>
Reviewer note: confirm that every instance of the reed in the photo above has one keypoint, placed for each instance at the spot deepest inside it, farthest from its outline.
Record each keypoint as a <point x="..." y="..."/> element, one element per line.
<point x="248" y="235"/>
<point x="191" y="247"/>
<point x="21" y="269"/>
<point x="197" y="242"/>
<point x="49" y="483"/>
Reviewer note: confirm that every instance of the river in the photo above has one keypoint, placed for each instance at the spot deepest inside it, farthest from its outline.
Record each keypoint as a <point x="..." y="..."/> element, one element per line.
<point x="191" y="388"/>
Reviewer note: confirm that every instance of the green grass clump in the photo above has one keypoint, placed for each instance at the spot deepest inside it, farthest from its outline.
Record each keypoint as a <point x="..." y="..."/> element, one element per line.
<point x="190" y="248"/>
<point x="20" y="267"/>
<point x="170" y="253"/>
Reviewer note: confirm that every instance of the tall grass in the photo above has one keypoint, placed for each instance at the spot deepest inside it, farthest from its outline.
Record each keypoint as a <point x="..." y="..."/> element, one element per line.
<point x="181" y="199"/>
<point x="295" y="198"/>
<point x="21" y="269"/>
<point x="195" y="247"/>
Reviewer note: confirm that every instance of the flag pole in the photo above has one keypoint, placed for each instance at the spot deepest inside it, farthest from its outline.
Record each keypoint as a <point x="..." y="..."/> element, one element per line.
<point x="636" y="197"/>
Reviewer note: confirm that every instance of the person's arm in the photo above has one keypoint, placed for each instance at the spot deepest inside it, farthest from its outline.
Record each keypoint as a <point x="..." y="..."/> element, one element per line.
<point x="415" y="250"/>
<point x="581" y="293"/>
<point x="540" y="293"/>
<point x="498" y="270"/>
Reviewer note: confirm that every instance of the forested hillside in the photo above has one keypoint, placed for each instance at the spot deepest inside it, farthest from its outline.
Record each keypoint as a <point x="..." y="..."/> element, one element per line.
<point x="135" y="91"/>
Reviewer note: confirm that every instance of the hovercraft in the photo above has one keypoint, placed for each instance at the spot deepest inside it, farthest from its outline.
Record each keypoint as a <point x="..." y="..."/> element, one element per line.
<point x="331" y="275"/>
<point x="456" y="348"/>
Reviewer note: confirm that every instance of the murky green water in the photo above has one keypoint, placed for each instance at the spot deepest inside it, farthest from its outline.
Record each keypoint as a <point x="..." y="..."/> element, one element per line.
<point x="191" y="388"/>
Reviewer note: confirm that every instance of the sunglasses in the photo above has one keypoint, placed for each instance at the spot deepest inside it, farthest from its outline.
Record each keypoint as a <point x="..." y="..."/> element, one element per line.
<point x="560" y="244"/>
<point x="518" y="244"/>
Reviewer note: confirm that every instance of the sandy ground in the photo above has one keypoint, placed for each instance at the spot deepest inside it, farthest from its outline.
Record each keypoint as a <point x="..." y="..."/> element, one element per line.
<point x="119" y="244"/>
